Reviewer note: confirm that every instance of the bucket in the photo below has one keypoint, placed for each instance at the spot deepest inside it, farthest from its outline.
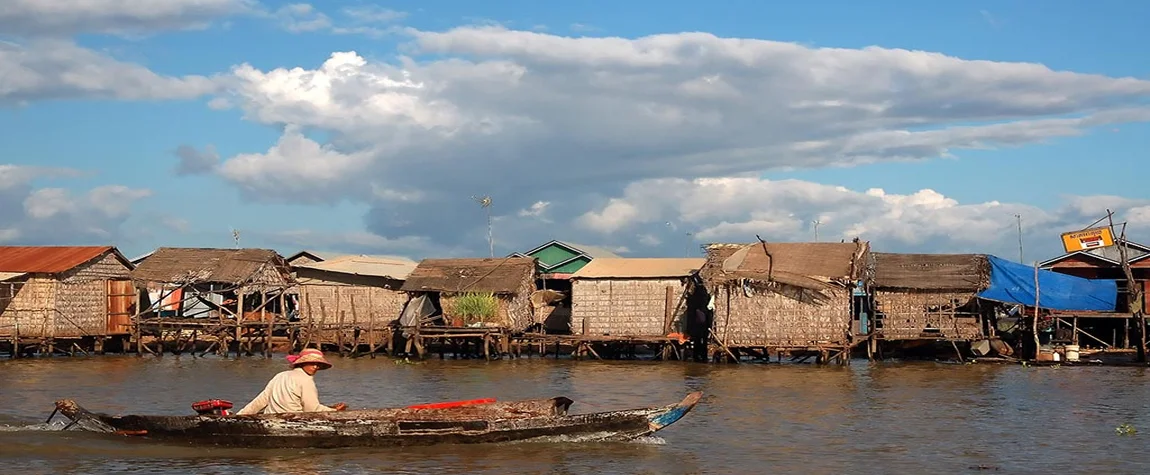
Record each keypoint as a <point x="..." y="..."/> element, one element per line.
<point x="1072" y="352"/>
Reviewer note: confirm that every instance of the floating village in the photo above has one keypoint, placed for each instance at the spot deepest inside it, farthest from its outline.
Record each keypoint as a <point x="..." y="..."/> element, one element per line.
<point x="757" y="301"/>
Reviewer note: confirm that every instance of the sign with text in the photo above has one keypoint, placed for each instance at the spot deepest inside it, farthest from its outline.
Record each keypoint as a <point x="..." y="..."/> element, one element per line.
<point x="1087" y="239"/>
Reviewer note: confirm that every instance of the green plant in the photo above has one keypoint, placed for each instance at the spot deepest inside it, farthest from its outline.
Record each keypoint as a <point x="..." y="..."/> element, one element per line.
<point x="476" y="307"/>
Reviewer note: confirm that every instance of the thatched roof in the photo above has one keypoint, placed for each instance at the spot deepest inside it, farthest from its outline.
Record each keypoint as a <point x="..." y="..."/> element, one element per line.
<point x="964" y="272"/>
<point x="216" y="266"/>
<point x="813" y="265"/>
<point x="499" y="275"/>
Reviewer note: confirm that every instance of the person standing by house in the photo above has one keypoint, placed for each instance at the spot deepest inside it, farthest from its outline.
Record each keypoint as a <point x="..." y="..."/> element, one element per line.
<point x="293" y="390"/>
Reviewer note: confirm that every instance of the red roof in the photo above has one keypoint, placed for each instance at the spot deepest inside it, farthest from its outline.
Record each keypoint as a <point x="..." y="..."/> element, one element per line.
<point x="48" y="259"/>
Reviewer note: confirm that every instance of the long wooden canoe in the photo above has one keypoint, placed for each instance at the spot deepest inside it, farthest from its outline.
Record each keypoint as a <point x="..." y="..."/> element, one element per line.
<point x="468" y="424"/>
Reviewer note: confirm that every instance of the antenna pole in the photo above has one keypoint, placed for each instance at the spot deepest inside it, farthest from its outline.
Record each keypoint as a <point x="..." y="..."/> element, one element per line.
<point x="1019" y="218"/>
<point x="490" y="239"/>
<point x="817" y="223"/>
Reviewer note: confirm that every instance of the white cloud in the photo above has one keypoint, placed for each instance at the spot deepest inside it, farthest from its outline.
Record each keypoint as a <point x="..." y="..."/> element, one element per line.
<point x="487" y="108"/>
<point x="373" y="14"/>
<point x="52" y="69"/>
<point x="295" y="169"/>
<point x="736" y="209"/>
<point x="302" y="17"/>
<point x="56" y="215"/>
<point x="536" y="210"/>
<point x="69" y="17"/>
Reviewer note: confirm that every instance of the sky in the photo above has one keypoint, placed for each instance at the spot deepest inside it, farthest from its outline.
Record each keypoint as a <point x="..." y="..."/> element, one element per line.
<point x="645" y="127"/>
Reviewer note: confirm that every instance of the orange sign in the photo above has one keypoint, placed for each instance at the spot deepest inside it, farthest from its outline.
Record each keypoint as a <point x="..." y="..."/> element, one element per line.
<point x="1087" y="239"/>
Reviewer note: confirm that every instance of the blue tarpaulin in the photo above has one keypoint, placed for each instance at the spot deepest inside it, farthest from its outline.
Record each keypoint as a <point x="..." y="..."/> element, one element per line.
<point x="1012" y="282"/>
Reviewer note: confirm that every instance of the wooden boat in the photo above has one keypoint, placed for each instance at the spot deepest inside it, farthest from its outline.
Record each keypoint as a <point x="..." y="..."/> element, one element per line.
<point x="483" y="422"/>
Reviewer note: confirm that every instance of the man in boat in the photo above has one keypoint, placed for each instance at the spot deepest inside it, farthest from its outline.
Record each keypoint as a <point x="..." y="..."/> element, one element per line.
<point x="293" y="390"/>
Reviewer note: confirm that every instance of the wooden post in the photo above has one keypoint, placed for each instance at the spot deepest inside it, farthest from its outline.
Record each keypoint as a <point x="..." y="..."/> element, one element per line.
<point x="239" y="318"/>
<point x="1074" y="332"/>
<point x="136" y="322"/>
<point x="270" y="321"/>
<point x="1037" y="345"/>
<point x="370" y="326"/>
<point x="340" y="330"/>
<point x="355" y="324"/>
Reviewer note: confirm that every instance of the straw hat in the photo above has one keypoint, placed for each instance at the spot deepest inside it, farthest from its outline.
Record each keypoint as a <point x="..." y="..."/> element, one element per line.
<point x="309" y="355"/>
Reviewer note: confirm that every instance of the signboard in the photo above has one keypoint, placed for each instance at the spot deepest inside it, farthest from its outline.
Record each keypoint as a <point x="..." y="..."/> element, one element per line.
<point x="1087" y="239"/>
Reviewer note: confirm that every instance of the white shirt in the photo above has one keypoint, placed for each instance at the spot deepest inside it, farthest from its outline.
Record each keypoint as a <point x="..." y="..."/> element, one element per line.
<point x="290" y="391"/>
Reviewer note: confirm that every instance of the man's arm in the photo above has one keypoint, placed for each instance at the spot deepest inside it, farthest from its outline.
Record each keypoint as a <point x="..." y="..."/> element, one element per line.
<point x="259" y="403"/>
<point x="310" y="398"/>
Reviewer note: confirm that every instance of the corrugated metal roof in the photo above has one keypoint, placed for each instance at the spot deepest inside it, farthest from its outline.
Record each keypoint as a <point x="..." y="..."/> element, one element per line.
<point x="375" y="266"/>
<point x="50" y="259"/>
<point x="639" y="268"/>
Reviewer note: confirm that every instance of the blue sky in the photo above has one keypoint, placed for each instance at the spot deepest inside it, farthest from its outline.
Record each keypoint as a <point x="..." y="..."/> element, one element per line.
<point x="553" y="145"/>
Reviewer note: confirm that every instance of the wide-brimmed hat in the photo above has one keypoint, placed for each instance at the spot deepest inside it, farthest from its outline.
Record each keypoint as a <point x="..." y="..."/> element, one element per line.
<point x="309" y="355"/>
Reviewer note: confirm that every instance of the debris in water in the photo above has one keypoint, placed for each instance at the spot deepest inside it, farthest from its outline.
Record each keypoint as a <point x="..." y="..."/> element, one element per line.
<point x="1125" y="429"/>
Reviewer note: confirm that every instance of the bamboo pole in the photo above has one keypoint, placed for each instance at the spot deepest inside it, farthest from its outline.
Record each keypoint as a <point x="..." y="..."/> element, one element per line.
<point x="1037" y="345"/>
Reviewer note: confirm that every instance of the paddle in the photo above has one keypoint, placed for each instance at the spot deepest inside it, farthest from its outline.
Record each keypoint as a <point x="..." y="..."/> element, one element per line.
<point x="444" y="405"/>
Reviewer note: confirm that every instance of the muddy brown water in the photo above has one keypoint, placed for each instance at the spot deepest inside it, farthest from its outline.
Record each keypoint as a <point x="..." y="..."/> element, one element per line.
<point x="866" y="418"/>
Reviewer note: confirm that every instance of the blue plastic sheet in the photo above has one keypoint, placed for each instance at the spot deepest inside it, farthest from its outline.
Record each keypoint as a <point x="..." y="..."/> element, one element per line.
<point x="1012" y="282"/>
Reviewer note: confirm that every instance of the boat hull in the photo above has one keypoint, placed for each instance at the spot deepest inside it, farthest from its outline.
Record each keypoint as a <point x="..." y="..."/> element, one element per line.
<point x="500" y="422"/>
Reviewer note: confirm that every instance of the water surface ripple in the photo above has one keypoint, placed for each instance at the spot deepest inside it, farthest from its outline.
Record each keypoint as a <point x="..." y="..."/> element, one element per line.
<point x="889" y="418"/>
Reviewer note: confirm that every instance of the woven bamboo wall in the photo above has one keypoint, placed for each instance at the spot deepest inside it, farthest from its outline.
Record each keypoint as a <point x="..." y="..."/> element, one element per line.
<point x="324" y="301"/>
<point x="81" y="309"/>
<point x="908" y="313"/>
<point x="82" y="298"/>
<point x="31" y="313"/>
<point x="631" y="307"/>
<point x="773" y="320"/>
<point x="107" y="268"/>
<point x="519" y="311"/>
<point x="268" y="277"/>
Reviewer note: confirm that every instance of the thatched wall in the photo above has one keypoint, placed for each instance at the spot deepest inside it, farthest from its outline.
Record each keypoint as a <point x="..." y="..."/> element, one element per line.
<point x="916" y="292"/>
<point x="511" y="279"/>
<point x="909" y="313"/>
<point x="82" y="298"/>
<point x="515" y="311"/>
<point x="776" y="318"/>
<point x="69" y="305"/>
<point x="31" y="312"/>
<point x="783" y="294"/>
<point x="630" y="307"/>
<point x="369" y="302"/>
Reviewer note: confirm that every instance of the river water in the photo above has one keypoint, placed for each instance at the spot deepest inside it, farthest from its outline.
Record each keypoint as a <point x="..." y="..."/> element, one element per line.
<point x="882" y="418"/>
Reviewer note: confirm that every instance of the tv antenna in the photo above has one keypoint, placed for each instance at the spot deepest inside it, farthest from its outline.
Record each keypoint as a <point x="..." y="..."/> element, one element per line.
<point x="485" y="203"/>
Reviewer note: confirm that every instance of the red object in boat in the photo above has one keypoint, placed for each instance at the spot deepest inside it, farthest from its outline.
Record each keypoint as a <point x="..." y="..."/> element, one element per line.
<point x="218" y="407"/>
<point x="445" y="405"/>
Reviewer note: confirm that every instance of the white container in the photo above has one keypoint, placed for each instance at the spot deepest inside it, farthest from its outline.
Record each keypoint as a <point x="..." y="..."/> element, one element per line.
<point x="1072" y="352"/>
